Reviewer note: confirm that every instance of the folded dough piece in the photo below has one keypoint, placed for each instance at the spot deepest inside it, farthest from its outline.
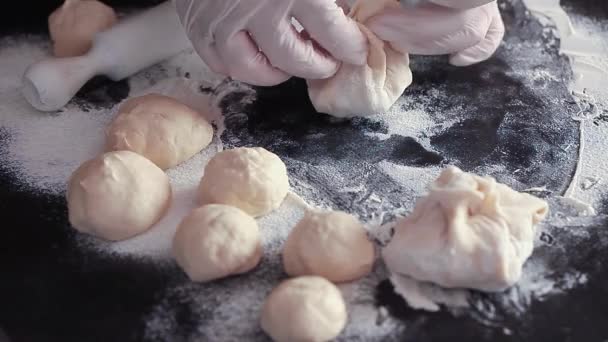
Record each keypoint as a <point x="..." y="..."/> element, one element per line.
<point x="468" y="232"/>
<point x="369" y="89"/>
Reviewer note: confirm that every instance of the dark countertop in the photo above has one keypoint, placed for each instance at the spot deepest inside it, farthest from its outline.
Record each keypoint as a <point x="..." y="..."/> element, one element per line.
<point x="514" y="128"/>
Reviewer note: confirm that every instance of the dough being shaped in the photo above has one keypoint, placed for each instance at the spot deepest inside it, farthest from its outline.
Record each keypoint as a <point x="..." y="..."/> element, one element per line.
<point x="252" y="179"/>
<point x="306" y="308"/>
<point x="468" y="232"/>
<point x="159" y="128"/>
<point x="332" y="244"/>
<point x="73" y="26"/>
<point x="216" y="241"/>
<point x="117" y="195"/>
<point x="369" y="89"/>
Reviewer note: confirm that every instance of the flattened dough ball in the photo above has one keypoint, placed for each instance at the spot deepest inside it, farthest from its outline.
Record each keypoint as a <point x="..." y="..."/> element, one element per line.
<point x="117" y="195"/>
<point x="74" y="25"/>
<point x="306" y="308"/>
<point x="468" y="232"/>
<point x="159" y="128"/>
<point x="252" y="179"/>
<point x="216" y="241"/>
<point x="330" y="244"/>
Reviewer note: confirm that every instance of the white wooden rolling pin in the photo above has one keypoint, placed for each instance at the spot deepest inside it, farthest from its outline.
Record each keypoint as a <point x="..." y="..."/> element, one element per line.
<point x="135" y="43"/>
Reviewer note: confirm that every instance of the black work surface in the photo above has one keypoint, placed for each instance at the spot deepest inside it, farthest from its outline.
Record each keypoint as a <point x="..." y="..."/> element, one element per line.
<point x="51" y="290"/>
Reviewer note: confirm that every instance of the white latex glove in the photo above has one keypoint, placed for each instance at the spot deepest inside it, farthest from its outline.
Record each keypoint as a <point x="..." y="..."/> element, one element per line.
<point x="468" y="35"/>
<point x="254" y="40"/>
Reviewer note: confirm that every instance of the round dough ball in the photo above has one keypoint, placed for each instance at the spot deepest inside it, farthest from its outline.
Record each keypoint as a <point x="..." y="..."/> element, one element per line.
<point x="74" y="25"/>
<point x="216" y="241"/>
<point x="159" y="128"/>
<point x="332" y="244"/>
<point x="252" y="179"/>
<point x="117" y="195"/>
<point x="304" y="309"/>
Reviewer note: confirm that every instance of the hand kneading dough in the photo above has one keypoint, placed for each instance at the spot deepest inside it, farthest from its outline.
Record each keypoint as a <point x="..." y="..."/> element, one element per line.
<point x="117" y="195"/>
<point x="74" y="25"/>
<point x="252" y="179"/>
<point x="369" y="89"/>
<point x="309" y="309"/>
<point x="333" y="245"/>
<point x="216" y="241"/>
<point x="468" y="232"/>
<point x="159" y="128"/>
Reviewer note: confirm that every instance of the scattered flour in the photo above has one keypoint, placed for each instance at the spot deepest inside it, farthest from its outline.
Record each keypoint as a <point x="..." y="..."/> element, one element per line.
<point x="412" y="117"/>
<point x="585" y="42"/>
<point x="536" y="284"/>
<point x="43" y="149"/>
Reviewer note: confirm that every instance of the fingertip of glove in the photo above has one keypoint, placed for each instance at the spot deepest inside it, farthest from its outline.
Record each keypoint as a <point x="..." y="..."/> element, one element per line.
<point x="461" y="61"/>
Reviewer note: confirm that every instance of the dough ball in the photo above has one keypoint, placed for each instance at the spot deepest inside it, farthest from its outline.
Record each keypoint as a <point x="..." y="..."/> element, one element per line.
<point x="216" y="241"/>
<point x="159" y="128"/>
<point x="306" y="308"/>
<point x="74" y="25"/>
<point x="468" y="232"/>
<point x="252" y="179"/>
<point x="368" y="89"/>
<point x="117" y="195"/>
<point x="333" y="245"/>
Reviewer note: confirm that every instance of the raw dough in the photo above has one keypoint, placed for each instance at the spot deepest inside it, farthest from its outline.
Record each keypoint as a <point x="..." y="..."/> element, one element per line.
<point x="468" y="232"/>
<point x="332" y="244"/>
<point x="117" y="195"/>
<point x="160" y="128"/>
<point x="307" y="309"/>
<point x="216" y="241"/>
<point x="252" y="179"/>
<point x="74" y="25"/>
<point x="369" y="89"/>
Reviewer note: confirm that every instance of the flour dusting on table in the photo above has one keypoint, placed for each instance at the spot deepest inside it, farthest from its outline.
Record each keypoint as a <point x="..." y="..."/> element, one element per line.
<point x="43" y="149"/>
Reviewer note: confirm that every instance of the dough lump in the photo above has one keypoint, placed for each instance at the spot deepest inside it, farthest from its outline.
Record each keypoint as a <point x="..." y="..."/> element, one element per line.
<point x="216" y="241"/>
<point x="369" y="89"/>
<point x="252" y="179"/>
<point x="306" y="308"/>
<point x="74" y="25"/>
<point x="468" y="232"/>
<point x="160" y="128"/>
<point x="117" y="195"/>
<point x="331" y="244"/>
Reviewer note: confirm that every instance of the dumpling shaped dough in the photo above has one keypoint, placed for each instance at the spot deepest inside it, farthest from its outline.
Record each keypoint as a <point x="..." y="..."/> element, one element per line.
<point x="308" y="308"/>
<point x="117" y="195"/>
<point x="252" y="179"/>
<point x="73" y="26"/>
<point x="468" y="232"/>
<point x="159" y="128"/>
<point x="369" y="89"/>
<point x="215" y="241"/>
<point x="331" y="244"/>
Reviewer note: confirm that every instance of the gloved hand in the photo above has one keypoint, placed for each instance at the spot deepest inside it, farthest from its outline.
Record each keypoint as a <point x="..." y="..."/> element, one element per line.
<point x="254" y="40"/>
<point x="468" y="35"/>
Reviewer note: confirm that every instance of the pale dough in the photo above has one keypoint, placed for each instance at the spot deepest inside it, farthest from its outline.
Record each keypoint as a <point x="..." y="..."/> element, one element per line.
<point x="252" y="179"/>
<point x="331" y="244"/>
<point x="468" y="232"/>
<point x="216" y="241"/>
<point x="369" y="89"/>
<point x="73" y="26"/>
<point x="307" y="309"/>
<point x="117" y="195"/>
<point x="160" y="128"/>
